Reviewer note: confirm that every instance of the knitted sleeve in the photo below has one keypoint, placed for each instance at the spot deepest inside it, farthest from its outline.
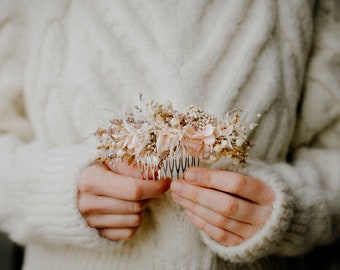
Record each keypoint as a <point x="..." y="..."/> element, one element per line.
<point x="307" y="208"/>
<point x="38" y="182"/>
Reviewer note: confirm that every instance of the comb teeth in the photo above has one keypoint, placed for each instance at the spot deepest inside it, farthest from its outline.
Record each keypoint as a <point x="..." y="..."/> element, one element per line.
<point x="172" y="167"/>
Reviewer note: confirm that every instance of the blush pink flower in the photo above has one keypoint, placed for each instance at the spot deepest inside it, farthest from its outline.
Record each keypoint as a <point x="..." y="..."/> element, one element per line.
<point x="199" y="142"/>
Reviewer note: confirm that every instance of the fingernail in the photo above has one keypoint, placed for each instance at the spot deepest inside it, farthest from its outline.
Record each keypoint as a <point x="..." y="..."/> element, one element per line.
<point x="176" y="186"/>
<point x="191" y="175"/>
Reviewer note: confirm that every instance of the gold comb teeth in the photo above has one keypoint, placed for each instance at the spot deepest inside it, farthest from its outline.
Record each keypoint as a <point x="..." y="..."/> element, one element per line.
<point x="165" y="142"/>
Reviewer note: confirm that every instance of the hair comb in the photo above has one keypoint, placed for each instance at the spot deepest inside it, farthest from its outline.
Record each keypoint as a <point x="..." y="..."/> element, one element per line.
<point x="165" y="142"/>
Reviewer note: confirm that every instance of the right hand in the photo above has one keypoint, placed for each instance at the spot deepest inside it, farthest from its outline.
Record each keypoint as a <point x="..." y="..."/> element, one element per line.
<point x="112" y="198"/>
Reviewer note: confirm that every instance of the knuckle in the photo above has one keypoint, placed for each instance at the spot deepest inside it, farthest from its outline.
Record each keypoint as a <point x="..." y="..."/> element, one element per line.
<point x="104" y="233"/>
<point x="231" y="207"/>
<point x="87" y="204"/>
<point x="194" y="194"/>
<point x="136" y="192"/>
<point x="136" y="220"/>
<point x="83" y="206"/>
<point x="137" y="207"/>
<point x="208" y="179"/>
<point x="91" y="221"/>
<point x="223" y="222"/>
<point x="222" y="237"/>
<point x="86" y="183"/>
<point x="205" y="175"/>
<point x="239" y="185"/>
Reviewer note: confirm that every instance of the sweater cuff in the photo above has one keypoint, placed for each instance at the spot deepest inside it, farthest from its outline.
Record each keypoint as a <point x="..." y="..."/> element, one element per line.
<point x="48" y="192"/>
<point x="265" y="241"/>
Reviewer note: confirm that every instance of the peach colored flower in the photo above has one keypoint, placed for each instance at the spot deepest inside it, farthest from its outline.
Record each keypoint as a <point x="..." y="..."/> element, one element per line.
<point x="199" y="142"/>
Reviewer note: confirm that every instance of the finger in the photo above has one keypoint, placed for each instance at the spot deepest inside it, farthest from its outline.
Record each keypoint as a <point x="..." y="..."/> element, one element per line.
<point x="222" y="236"/>
<point x="222" y="203"/>
<point x="92" y="204"/>
<point x="102" y="181"/>
<point x="117" y="234"/>
<point x="241" y="229"/>
<point x="114" y="221"/>
<point x="124" y="168"/>
<point x="231" y="182"/>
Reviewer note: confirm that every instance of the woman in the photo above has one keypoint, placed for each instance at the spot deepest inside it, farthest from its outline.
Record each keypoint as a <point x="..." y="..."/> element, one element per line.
<point x="65" y="65"/>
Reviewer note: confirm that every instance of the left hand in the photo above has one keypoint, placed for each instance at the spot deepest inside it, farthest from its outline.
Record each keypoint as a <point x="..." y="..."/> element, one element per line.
<point x="229" y="207"/>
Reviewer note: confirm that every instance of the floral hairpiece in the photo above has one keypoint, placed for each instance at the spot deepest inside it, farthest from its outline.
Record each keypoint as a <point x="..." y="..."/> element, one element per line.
<point x="157" y="137"/>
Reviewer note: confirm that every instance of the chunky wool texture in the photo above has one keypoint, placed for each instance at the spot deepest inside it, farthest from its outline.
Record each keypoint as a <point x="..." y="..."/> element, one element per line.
<point x="65" y="65"/>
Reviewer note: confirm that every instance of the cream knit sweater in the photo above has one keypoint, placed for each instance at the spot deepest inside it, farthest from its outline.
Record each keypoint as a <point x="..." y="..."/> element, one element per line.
<point x="65" y="64"/>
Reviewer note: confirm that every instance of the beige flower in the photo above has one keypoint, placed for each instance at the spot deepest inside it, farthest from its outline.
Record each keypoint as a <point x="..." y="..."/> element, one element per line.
<point x="164" y="141"/>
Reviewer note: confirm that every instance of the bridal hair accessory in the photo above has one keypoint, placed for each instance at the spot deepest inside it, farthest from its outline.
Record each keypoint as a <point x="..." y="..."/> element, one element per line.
<point x="164" y="142"/>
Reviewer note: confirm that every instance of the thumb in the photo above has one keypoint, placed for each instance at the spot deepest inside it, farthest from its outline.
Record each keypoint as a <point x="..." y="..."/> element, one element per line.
<point x="132" y="170"/>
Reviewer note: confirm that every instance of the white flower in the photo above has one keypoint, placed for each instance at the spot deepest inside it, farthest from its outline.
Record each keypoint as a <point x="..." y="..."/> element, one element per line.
<point x="120" y="153"/>
<point x="252" y="126"/>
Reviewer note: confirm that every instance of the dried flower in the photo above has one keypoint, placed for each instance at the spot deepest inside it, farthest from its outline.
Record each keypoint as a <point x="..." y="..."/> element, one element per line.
<point x="159" y="131"/>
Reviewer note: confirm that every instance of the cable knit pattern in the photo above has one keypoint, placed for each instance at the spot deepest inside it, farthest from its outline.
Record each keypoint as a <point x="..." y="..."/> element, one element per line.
<point x="64" y="70"/>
